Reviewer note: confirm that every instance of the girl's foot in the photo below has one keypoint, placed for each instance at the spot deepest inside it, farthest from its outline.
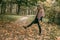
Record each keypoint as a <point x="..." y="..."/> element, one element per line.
<point x="25" y="27"/>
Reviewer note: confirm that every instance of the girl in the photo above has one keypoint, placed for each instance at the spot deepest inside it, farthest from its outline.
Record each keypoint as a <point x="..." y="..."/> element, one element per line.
<point x="39" y="16"/>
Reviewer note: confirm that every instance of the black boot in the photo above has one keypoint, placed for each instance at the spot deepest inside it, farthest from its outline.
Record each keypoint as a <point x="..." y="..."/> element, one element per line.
<point x="25" y="27"/>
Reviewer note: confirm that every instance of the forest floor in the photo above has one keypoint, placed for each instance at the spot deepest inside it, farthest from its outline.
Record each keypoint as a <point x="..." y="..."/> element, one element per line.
<point x="14" y="30"/>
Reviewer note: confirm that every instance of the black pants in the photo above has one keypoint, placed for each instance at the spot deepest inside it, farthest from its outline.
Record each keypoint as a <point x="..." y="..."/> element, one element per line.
<point x="36" y="21"/>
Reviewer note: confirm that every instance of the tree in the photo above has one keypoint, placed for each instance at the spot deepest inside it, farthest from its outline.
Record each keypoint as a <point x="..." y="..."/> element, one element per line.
<point x="3" y="7"/>
<point x="19" y="3"/>
<point x="0" y="1"/>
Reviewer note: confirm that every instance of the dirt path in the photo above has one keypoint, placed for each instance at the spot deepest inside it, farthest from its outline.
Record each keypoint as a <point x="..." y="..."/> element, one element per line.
<point x="15" y="31"/>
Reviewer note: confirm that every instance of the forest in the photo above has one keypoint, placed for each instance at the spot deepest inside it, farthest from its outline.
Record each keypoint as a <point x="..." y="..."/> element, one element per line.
<point x="16" y="13"/>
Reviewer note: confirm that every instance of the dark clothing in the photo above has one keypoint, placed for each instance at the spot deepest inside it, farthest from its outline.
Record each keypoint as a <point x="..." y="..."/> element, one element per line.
<point x="36" y="21"/>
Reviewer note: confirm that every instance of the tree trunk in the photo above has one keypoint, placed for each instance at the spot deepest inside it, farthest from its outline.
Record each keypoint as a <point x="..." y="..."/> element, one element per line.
<point x="3" y="8"/>
<point x="10" y="7"/>
<point x="18" y="10"/>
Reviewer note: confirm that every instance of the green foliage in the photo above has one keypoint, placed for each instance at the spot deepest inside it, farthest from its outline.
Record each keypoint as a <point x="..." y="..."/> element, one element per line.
<point x="8" y="18"/>
<point x="53" y="12"/>
<point x="26" y="2"/>
<point x="42" y="0"/>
